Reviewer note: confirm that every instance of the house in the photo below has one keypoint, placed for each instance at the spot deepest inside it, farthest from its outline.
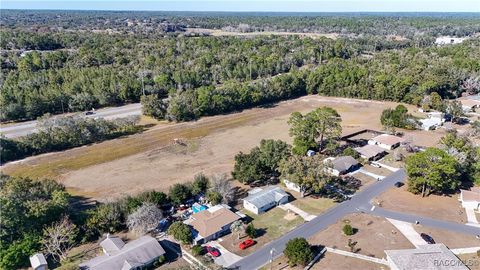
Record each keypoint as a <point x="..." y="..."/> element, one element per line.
<point x="136" y="254"/>
<point x="425" y="257"/>
<point x="291" y="185"/>
<point x="212" y="223"/>
<point x="470" y="199"/>
<point x="260" y="200"/>
<point x="386" y="141"/>
<point x="38" y="262"/>
<point x="341" y="165"/>
<point x="371" y="152"/>
<point x="446" y="40"/>
<point x="431" y="123"/>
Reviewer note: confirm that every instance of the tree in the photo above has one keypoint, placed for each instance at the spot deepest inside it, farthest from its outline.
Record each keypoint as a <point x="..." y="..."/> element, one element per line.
<point x="432" y="171"/>
<point x="16" y="254"/>
<point x="214" y="197"/>
<point x="397" y="117"/>
<point x="222" y="185"/>
<point x="179" y="193"/>
<point x="454" y="108"/>
<point x="348" y="229"/>
<point x="436" y="102"/>
<point x="181" y="232"/>
<point x="323" y="123"/>
<point x="298" y="251"/>
<point x="238" y="227"/>
<point x="105" y="218"/>
<point x="144" y="219"/>
<point x="200" y="184"/>
<point x="251" y="231"/>
<point x="307" y="172"/>
<point x="261" y="163"/>
<point x="154" y="106"/>
<point x="59" y="238"/>
<point x="350" y="152"/>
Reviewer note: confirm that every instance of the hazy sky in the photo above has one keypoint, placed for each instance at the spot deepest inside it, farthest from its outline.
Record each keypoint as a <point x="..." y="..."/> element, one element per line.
<point x="251" y="5"/>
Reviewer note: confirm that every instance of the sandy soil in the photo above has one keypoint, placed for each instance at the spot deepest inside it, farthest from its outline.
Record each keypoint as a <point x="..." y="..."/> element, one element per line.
<point x="434" y="206"/>
<point x="149" y="161"/>
<point x="449" y="238"/>
<point x="374" y="235"/>
<point x="334" y="261"/>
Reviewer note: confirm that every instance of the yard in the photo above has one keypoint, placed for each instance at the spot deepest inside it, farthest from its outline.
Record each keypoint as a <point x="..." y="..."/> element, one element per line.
<point x="472" y="260"/>
<point x="310" y="205"/>
<point x="449" y="238"/>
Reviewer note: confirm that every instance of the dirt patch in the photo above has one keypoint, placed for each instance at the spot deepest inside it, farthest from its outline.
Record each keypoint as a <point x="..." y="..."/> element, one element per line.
<point x="374" y="235"/>
<point x="472" y="260"/>
<point x="290" y="216"/>
<point x="148" y="161"/>
<point x="434" y="206"/>
<point x="449" y="238"/>
<point x="336" y="261"/>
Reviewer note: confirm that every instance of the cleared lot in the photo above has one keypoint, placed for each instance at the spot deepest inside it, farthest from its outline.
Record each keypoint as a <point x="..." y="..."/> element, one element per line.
<point x="149" y="161"/>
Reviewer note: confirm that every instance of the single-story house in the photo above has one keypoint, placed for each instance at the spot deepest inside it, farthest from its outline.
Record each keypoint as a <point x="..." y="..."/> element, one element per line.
<point x="371" y="152"/>
<point x="470" y="199"/>
<point x="386" y="141"/>
<point x="212" y="223"/>
<point x="431" y="123"/>
<point x="341" y="165"/>
<point x="447" y="40"/>
<point x="38" y="262"/>
<point x="425" y="257"/>
<point x="291" y="185"/>
<point x="136" y="254"/>
<point x="260" y="200"/>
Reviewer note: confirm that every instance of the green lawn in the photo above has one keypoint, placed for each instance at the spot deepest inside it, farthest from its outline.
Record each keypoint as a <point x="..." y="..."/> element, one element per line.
<point x="274" y="223"/>
<point x="313" y="206"/>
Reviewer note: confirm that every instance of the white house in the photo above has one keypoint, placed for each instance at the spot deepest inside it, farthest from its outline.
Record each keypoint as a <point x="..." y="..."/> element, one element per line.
<point x="38" y="262"/>
<point x="446" y="40"/>
<point x="291" y="185"/>
<point x="386" y="141"/>
<point x="260" y="200"/>
<point x="470" y="199"/>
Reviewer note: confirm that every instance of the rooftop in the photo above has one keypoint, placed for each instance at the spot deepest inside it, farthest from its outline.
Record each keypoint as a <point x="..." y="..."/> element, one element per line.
<point x="369" y="150"/>
<point x="37" y="260"/>
<point x="210" y="221"/>
<point x="426" y="257"/>
<point x="387" y="139"/>
<point x="112" y="244"/>
<point x="344" y="163"/>
<point x="137" y="252"/>
<point x="470" y="195"/>
<point x="260" y="197"/>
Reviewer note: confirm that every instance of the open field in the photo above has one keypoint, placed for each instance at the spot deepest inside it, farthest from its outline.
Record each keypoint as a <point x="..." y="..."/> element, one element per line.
<point x="438" y="207"/>
<point x="339" y="262"/>
<point x="374" y="235"/>
<point x="150" y="160"/>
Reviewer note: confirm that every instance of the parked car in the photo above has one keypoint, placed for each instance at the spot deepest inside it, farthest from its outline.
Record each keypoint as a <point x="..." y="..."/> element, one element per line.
<point x="213" y="251"/>
<point x="246" y="244"/>
<point x="375" y="165"/>
<point x="398" y="184"/>
<point x="427" y="238"/>
<point x="89" y="113"/>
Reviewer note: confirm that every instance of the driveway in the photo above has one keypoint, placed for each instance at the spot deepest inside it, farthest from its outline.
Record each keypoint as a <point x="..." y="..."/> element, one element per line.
<point x="226" y="257"/>
<point x="409" y="232"/>
<point x="306" y="216"/>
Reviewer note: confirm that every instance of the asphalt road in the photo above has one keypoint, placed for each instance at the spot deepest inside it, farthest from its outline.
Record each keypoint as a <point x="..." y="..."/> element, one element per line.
<point x="359" y="203"/>
<point x="25" y="128"/>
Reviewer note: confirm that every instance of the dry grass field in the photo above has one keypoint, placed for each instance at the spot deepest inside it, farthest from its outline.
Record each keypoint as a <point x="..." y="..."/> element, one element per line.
<point x="221" y="33"/>
<point x="151" y="160"/>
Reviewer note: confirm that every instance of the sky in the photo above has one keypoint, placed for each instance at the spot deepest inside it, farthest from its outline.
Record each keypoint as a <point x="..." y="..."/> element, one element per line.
<point x="252" y="5"/>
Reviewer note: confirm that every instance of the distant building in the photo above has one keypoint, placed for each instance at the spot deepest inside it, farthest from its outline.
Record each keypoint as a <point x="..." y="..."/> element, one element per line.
<point x="260" y="200"/>
<point x="38" y="262"/>
<point x="425" y="257"/>
<point x="371" y="152"/>
<point x="386" y="141"/>
<point x="342" y="165"/>
<point x="470" y="199"/>
<point x="212" y="223"/>
<point x="136" y="254"/>
<point x="448" y="40"/>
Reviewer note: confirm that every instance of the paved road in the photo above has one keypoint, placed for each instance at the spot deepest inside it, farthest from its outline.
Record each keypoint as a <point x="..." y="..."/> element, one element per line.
<point x="25" y="128"/>
<point x="359" y="203"/>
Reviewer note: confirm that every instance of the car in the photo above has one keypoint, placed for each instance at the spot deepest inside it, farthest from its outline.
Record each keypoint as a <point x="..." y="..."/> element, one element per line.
<point x="89" y="113"/>
<point x="213" y="251"/>
<point x="246" y="244"/>
<point x="427" y="238"/>
<point x="398" y="184"/>
<point x="375" y="165"/>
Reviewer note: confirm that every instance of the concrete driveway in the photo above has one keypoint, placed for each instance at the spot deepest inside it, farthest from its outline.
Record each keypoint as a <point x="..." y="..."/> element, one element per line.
<point x="409" y="232"/>
<point x="226" y="257"/>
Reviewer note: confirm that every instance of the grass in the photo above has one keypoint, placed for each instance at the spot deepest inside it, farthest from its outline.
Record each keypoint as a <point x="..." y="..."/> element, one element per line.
<point x="273" y="223"/>
<point x="313" y="206"/>
<point x="52" y="166"/>
<point x="472" y="260"/>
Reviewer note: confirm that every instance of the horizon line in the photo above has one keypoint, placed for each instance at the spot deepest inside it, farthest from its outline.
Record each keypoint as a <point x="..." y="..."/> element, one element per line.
<point x="230" y="11"/>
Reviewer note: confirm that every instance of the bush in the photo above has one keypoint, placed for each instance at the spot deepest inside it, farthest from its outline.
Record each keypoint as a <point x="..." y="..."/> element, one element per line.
<point x="214" y="197"/>
<point x="298" y="251"/>
<point x="181" y="232"/>
<point x="251" y="231"/>
<point x="198" y="250"/>
<point x="348" y="229"/>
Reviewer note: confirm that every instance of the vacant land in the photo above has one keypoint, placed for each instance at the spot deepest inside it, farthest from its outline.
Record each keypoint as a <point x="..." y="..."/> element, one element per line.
<point x="374" y="235"/>
<point x="150" y="160"/>
<point x="449" y="238"/>
<point x="337" y="262"/>
<point x="434" y="206"/>
<point x="471" y="260"/>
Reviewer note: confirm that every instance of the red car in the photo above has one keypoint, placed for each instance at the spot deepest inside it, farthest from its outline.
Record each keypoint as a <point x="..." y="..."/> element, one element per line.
<point x="213" y="251"/>
<point x="246" y="244"/>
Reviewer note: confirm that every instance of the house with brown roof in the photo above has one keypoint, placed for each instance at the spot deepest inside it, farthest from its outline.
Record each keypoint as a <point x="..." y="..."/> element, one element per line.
<point x="370" y="152"/>
<point x="212" y="223"/>
<point x="386" y="141"/>
<point x="470" y="198"/>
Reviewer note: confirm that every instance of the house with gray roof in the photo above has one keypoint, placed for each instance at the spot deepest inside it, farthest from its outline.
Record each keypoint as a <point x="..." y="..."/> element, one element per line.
<point x="425" y="257"/>
<point x="135" y="254"/>
<point x="38" y="262"/>
<point x="341" y="165"/>
<point x="260" y="200"/>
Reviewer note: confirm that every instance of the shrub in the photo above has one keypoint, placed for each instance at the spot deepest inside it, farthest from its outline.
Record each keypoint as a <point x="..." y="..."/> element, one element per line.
<point x="181" y="232"/>
<point x="348" y="229"/>
<point x="251" y="231"/>
<point x="198" y="250"/>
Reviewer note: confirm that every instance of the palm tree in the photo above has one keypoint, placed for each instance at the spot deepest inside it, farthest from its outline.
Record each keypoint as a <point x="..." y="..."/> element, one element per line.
<point x="238" y="227"/>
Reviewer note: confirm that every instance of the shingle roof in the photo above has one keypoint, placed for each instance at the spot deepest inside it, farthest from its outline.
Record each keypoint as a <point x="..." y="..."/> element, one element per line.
<point x="112" y="244"/>
<point x="344" y="163"/>
<point x="37" y="260"/>
<point x="212" y="220"/>
<point x="387" y="139"/>
<point x="369" y="150"/>
<point x="425" y="257"/>
<point x="266" y="196"/>
<point x="136" y="252"/>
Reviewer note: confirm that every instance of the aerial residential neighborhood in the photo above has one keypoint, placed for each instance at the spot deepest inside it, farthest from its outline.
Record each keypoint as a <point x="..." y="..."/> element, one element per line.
<point x="239" y="135"/>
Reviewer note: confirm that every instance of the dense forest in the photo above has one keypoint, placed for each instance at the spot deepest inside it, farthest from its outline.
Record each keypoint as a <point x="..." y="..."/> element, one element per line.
<point x="47" y="67"/>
